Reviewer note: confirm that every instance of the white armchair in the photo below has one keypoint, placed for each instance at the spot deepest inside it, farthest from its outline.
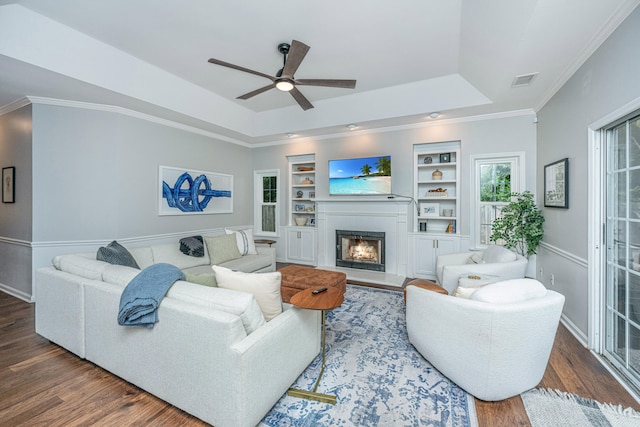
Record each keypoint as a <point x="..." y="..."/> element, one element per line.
<point x="494" y="263"/>
<point x="495" y="345"/>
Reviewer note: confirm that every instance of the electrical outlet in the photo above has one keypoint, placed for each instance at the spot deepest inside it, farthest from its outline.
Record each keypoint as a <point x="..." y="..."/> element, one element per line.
<point x="553" y="279"/>
<point x="541" y="272"/>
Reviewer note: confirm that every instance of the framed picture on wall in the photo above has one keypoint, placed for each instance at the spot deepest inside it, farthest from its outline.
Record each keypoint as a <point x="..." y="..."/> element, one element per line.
<point x="189" y="191"/>
<point x="8" y="185"/>
<point x="556" y="184"/>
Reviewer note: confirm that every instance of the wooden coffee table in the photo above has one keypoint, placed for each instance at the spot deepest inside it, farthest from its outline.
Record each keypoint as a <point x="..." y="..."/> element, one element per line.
<point x="327" y="300"/>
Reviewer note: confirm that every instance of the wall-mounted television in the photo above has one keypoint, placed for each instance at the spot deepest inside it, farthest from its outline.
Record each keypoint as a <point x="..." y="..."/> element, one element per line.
<point x="361" y="176"/>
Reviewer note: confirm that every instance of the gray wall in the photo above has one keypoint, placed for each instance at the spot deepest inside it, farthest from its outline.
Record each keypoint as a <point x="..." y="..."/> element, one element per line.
<point x="85" y="177"/>
<point x="15" y="218"/>
<point x="607" y="81"/>
<point x="96" y="175"/>
<point x="489" y="135"/>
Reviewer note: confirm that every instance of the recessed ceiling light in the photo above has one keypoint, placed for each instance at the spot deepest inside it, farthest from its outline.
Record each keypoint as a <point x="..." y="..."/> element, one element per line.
<point x="434" y="115"/>
<point x="351" y="126"/>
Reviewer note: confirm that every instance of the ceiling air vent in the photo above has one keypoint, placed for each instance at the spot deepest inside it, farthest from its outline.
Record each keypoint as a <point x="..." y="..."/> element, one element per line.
<point x="523" y="80"/>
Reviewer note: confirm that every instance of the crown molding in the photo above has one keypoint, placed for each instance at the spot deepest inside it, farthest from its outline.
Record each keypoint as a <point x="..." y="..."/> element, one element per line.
<point x="134" y="114"/>
<point x="410" y="126"/>
<point x="6" y="109"/>
<point x="612" y="24"/>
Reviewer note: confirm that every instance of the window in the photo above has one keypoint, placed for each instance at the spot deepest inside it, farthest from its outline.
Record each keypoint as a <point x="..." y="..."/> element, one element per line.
<point x="495" y="178"/>
<point x="266" y="210"/>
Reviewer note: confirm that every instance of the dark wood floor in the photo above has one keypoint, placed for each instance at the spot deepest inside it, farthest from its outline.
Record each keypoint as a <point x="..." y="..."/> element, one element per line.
<point x="41" y="384"/>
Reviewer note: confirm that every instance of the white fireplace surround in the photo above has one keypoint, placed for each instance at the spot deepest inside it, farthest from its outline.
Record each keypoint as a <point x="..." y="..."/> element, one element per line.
<point x="365" y="214"/>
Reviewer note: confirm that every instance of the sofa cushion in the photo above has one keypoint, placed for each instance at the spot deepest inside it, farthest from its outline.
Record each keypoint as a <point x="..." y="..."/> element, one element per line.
<point x="244" y="240"/>
<point x="264" y="286"/>
<point x="242" y="304"/>
<point x="170" y="253"/>
<point x="115" y="253"/>
<point x="496" y="253"/>
<point x="249" y="263"/>
<point x="510" y="291"/>
<point x="205" y="279"/>
<point x="80" y="266"/>
<point x="222" y="248"/>
<point x="192" y="246"/>
<point x="119" y="274"/>
<point x="143" y="256"/>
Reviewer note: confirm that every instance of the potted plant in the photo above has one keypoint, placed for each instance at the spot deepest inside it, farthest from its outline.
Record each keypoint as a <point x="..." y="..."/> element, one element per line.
<point x="519" y="225"/>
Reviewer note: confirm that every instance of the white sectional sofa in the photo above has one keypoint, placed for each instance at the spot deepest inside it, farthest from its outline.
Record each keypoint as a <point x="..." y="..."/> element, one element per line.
<point x="211" y="354"/>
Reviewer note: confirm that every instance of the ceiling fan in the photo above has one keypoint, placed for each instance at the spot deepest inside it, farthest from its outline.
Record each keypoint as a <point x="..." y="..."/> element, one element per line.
<point x="284" y="80"/>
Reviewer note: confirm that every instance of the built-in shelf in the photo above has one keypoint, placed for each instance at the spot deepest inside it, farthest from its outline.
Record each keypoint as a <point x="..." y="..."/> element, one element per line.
<point x="302" y="189"/>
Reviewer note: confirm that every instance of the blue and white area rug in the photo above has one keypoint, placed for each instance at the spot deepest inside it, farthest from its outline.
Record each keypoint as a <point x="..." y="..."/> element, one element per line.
<point x="378" y="377"/>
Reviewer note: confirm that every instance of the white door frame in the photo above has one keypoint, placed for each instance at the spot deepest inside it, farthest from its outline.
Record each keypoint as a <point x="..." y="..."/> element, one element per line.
<point x="596" y="221"/>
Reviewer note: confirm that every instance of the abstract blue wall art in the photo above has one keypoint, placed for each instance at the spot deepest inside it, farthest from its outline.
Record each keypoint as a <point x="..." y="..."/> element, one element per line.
<point x="185" y="191"/>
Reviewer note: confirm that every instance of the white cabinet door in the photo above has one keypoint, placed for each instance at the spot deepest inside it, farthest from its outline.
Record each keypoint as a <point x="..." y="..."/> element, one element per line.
<point x="426" y="251"/>
<point x="301" y="245"/>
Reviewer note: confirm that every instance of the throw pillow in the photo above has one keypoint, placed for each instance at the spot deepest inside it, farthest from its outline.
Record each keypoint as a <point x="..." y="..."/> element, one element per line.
<point x="244" y="239"/>
<point x="222" y="248"/>
<point x="205" y="279"/>
<point x="496" y="253"/>
<point x="475" y="258"/>
<point x="192" y="246"/>
<point x="510" y="291"/>
<point x="265" y="287"/>
<point x="115" y="253"/>
<point x="464" y="291"/>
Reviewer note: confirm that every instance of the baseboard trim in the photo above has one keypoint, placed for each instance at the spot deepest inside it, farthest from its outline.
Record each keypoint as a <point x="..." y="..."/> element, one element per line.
<point x="16" y="293"/>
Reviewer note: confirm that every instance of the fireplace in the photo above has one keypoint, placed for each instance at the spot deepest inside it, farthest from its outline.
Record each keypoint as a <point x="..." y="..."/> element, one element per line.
<point x="360" y="249"/>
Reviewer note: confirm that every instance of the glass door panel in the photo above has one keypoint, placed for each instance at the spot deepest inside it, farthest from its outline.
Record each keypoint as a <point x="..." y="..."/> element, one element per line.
<point x="622" y="266"/>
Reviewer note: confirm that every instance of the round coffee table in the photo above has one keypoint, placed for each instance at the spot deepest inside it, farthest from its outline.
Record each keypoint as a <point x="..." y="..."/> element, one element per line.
<point x="326" y="300"/>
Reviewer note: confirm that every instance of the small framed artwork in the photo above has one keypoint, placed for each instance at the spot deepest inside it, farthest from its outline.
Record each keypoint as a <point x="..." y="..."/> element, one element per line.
<point x="299" y="208"/>
<point x="429" y="209"/>
<point x="428" y="160"/>
<point x="312" y="194"/>
<point x="8" y="185"/>
<point x="312" y="222"/>
<point x="445" y="157"/>
<point x="556" y="184"/>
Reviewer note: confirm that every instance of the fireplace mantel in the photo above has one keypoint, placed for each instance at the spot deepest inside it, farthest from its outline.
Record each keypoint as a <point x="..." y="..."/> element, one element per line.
<point x="367" y="214"/>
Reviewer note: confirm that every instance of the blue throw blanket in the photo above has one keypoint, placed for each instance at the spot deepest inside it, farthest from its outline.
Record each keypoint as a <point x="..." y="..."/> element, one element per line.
<point x="141" y="297"/>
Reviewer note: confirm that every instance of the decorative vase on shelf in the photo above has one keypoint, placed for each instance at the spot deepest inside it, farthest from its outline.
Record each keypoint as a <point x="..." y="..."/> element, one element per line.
<point x="436" y="175"/>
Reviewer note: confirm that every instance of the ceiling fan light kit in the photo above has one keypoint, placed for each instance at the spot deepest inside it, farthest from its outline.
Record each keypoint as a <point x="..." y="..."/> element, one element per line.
<point x="293" y="54"/>
<point x="284" y="85"/>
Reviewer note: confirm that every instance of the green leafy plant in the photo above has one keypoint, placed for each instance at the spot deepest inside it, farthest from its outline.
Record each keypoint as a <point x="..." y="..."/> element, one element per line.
<point x="520" y="225"/>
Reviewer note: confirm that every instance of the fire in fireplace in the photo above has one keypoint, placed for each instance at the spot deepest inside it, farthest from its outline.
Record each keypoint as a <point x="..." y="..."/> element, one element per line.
<point x="360" y="249"/>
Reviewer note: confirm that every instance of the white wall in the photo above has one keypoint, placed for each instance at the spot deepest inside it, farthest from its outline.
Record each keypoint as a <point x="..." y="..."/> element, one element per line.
<point x="607" y="81"/>
<point x="15" y="218"/>
<point x="492" y="134"/>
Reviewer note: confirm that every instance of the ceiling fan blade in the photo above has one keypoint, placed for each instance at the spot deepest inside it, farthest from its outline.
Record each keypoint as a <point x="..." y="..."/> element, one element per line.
<point x="296" y="54"/>
<point x="237" y="67"/>
<point x="256" y="92"/>
<point x="299" y="97"/>
<point x="345" y="84"/>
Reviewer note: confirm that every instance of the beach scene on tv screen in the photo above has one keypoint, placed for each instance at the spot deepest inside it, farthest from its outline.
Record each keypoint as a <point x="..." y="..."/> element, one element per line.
<point x="367" y="175"/>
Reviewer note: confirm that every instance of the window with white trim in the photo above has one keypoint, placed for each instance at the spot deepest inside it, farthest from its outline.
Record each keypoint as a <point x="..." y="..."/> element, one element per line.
<point x="266" y="213"/>
<point x="495" y="177"/>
